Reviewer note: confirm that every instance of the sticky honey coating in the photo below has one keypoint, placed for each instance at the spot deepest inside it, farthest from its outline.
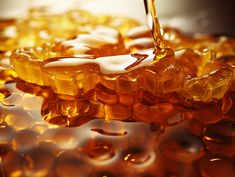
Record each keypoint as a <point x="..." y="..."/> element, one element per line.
<point x="195" y="72"/>
<point x="103" y="102"/>
<point x="114" y="76"/>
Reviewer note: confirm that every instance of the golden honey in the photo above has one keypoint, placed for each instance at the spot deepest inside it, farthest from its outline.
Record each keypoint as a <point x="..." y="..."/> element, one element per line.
<point x="101" y="97"/>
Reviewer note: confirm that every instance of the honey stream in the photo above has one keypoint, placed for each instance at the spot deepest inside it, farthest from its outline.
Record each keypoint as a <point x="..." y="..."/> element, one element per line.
<point x="91" y="107"/>
<point x="153" y="22"/>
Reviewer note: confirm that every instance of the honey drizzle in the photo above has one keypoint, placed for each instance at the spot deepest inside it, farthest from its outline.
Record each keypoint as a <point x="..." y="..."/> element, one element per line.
<point x="154" y="23"/>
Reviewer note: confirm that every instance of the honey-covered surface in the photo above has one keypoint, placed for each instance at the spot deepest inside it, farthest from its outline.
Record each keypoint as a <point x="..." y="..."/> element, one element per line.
<point x="95" y="98"/>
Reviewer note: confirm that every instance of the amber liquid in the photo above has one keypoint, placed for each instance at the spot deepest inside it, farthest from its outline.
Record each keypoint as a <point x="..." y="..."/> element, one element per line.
<point x="153" y="22"/>
<point x="128" y="115"/>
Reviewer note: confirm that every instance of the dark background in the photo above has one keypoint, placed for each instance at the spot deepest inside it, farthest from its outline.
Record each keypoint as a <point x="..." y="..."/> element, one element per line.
<point x="206" y="16"/>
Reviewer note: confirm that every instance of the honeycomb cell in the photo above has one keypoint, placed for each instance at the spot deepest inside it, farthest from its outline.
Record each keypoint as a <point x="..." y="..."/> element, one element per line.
<point x="216" y="85"/>
<point x="117" y="112"/>
<point x="205" y="83"/>
<point x="159" y="112"/>
<point x="212" y="82"/>
<point x="7" y="76"/>
<point x="71" y="113"/>
<point x="33" y="89"/>
<point x="100" y="42"/>
<point x="31" y="58"/>
<point x="108" y="70"/>
<point x="223" y="46"/>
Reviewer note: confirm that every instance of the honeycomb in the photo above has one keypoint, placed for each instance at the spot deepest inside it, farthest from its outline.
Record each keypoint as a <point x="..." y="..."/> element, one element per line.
<point x="95" y="97"/>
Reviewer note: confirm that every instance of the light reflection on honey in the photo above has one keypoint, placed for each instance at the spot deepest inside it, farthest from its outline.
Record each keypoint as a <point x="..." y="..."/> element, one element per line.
<point x="94" y="99"/>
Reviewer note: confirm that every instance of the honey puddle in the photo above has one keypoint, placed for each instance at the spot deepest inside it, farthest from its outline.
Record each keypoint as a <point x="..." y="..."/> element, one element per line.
<point x="103" y="97"/>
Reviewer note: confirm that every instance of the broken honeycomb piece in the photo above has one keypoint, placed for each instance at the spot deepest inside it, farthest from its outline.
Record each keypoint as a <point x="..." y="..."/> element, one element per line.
<point x="207" y="77"/>
<point x="175" y="39"/>
<point x="27" y="61"/>
<point x="123" y="74"/>
<point x="71" y="112"/>
<point x="209" y="87"/>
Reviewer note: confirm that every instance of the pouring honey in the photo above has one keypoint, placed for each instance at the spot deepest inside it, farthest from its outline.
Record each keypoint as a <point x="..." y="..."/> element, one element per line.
<point x="102" y="97"/>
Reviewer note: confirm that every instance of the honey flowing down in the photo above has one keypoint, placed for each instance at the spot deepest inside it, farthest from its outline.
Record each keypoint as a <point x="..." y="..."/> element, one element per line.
<point x="153" y="22"/>
<point x="89" y="96"/>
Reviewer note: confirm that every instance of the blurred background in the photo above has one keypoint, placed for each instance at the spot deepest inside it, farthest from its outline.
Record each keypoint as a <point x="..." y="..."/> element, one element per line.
<point x="204" y="16"/>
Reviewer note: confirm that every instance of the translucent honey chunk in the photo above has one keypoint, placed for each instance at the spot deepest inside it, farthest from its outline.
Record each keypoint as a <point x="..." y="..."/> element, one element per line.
<point x="117" y="112"/>
<point x="68" y="75"/>
<point x="189" y="60"/>
<point x="106" y="95"/>
<point x="7" y="75"/>
<point x="71" y="112"/>
<point x="230" y="60"/>
<point x="223" y="46"/>
<point x="27" y="62"/>
<point x="100" y="42"/>
<point x="209" y="87"/>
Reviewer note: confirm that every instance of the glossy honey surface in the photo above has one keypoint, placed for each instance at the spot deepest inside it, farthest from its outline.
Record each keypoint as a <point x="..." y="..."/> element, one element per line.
<point x="99" y="97"/>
